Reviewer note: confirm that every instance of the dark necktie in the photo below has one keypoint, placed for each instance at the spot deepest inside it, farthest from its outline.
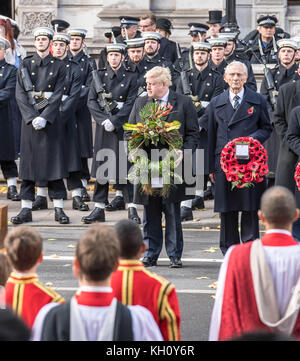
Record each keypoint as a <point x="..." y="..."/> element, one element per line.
<point x="236" y="102"/>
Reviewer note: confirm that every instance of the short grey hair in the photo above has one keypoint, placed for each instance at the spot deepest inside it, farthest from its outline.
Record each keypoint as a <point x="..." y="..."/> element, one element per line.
<point x="236" y="63"/>
<point x="161" y="74"/>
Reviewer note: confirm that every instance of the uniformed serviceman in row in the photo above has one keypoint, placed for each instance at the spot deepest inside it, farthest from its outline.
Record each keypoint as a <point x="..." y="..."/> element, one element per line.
<point x="167" y="49"/>
<point x="122" y="86"/>
<point x="219" y="62"/>
<point x="197" y="33"/>
<point x="231" y="54"/>
<point x="204" y="83"/>
<point x="111" y="38"/>
<point x="42" y="156"/>
<point x="72" y="89"/>
<point x="83" y="116"/>
<point x="152" y="55"/>
<point x="262" y="43"/>
<point x="7" y="144"/>
<point x="129" y="29"/>
<point x="134" y="61"/>
<point x="284" y="72"/>
<point x="143" y="55"/>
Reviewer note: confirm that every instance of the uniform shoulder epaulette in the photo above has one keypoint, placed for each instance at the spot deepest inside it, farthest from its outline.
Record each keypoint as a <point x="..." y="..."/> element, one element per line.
<point x="27" y="59"/>
<point x="185" y="50"/>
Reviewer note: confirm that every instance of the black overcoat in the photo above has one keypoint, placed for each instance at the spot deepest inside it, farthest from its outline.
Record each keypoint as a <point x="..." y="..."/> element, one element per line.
<point x="184" y="112"/>
<point x="123" y="87"/>
<point x="42" y="157"/>
<point x="225" y="124"/>
<point x="293" y="141"/>
<point x="72" y="89"/>
<point x="83" y="115"/>
<point x="206" y="85"/>
<point x="281" y="76"/>
<point x="288" y="98"/>
<point x="7" y="92"/>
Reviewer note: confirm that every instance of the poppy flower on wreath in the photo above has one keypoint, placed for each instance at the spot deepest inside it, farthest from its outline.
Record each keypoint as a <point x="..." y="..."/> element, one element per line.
<point x="297" y="175"/>
<point x="245" y="175"/>
<point x="253" y="166"/>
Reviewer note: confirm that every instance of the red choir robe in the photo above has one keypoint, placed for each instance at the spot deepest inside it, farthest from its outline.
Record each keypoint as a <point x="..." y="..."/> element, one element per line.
<point x="26" y="295"/>
<point x="133" y="284"/>
<point x="241" y="304"/>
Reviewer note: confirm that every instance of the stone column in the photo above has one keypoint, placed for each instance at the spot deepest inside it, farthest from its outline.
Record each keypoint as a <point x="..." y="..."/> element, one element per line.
<point x="31" y="14"/>
<point x="271" y="7"/>
<point x="110" y="12"/>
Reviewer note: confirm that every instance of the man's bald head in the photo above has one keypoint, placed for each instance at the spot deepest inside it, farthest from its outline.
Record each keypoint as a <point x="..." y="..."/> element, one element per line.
<point x="278" y="207"/>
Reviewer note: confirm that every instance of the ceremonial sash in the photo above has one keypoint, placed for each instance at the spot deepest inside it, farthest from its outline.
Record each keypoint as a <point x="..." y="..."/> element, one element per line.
<point x="265" y="294"/>
<point x="77" y="330"/>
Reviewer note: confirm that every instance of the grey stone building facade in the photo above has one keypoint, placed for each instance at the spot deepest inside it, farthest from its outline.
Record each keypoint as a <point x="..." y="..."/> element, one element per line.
<point x="97" y="16"/>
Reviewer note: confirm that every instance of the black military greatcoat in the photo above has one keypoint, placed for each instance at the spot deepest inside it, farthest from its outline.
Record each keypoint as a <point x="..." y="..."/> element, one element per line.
<point x="7" y="92"/>
<point x="42" y="157"/>
<point x="72" y="89"/>
<point x="288" y="99"/>
<point x="281" y="76"/>
<point x="225" y="124"/>
<point x="123" y="88"/>
<point x="83" y="116"/>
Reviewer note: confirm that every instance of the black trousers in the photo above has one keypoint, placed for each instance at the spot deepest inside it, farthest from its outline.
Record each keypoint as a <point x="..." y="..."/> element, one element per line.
<point x="153" y="232"/>
<point x="229" y="233"/>
<point x="85" y="172"/>
<point x="56" y="189"/>
<point x="73" y="181"/>
<point x="9" y="168"/>
<point x="101" y="192"/>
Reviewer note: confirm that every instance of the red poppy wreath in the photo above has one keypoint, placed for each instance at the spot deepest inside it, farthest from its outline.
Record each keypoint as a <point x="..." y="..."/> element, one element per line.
<point x="297" y="175"/>
<point x="245" y="175"/>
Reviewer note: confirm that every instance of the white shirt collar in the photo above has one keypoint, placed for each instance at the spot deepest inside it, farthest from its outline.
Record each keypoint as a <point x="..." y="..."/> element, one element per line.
<point x="102" y="289"/>
<point x="165" y="97"/>
<point x="240" y="94"/>
<point x="283" y="231"/>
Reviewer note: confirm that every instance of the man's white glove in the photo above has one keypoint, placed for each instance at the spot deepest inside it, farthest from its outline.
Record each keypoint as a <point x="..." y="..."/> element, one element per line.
<point x="39" y="123"/>
<point x="108" y="125"/>
<point x="179" y="153"/>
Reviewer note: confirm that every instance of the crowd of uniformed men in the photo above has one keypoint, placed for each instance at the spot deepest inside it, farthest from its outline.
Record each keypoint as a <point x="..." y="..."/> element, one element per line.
<point x="48" y="100"/>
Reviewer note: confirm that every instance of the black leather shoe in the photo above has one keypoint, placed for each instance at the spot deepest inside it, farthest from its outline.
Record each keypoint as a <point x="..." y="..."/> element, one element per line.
<point x="97" y="215"/>
<point x="79" y="204"/>
<point x="60" y="216"/>
<point x="208" y="193"/>
<point x="186" y="214"/>
<point x="12" y="193"/>
<point x="117" y="204"/>
<point x="175" y="262"/>
<point x="40" y="203"/>
<point x="149" y="262"/>
<point x="132" y="214"/>
<point x="23" y="217"/>
<point x="198" y="203"/>
<point x="85" y="196"/>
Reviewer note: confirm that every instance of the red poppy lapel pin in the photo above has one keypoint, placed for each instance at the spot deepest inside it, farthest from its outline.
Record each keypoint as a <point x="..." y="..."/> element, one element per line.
<point x="250" y="110"/>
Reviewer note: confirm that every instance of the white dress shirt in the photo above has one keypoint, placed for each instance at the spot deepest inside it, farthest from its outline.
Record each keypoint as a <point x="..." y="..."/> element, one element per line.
<point x="232" y="95"/>
<point x="164" y="99"/>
